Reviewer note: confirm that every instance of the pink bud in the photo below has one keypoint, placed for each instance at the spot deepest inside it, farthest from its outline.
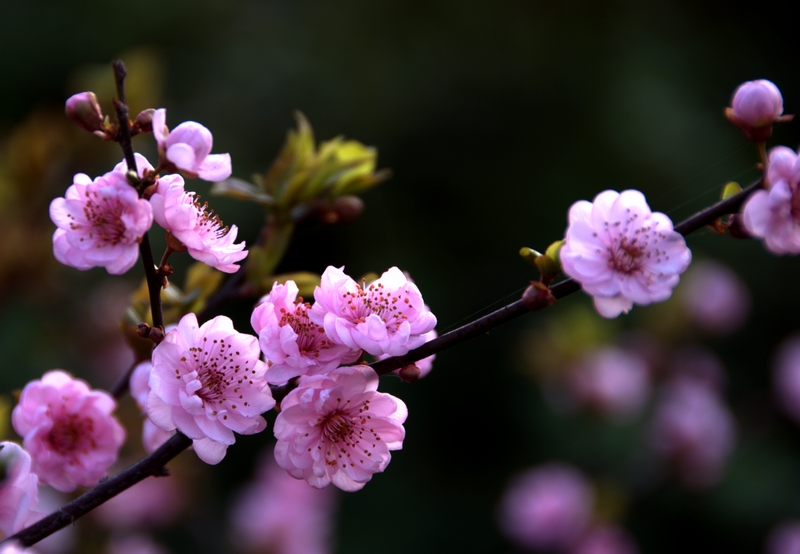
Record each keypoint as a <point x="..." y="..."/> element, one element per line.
<point x="84" y="111"/>
<point x="144" y="121"/>
<point x="755" y="106"/>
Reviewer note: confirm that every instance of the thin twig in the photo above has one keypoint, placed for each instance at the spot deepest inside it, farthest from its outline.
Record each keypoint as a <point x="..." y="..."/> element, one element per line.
<point x="560" y="290"/>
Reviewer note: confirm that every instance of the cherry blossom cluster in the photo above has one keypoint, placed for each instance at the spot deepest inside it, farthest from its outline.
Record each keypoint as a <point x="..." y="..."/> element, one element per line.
<point x="100" y="222"/>
<point x="335" y="427"/>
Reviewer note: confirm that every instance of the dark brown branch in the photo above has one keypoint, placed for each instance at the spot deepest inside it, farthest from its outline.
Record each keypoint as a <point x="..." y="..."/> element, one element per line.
<point x="150" y="465"/>
<point x="155" y="462"/>
<point x="123" y="117"/>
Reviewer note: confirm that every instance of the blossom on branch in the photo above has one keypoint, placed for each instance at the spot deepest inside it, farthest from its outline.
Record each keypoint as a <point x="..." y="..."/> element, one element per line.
<point x="194" y="226"/>
<point x="68" y="430"/>
<point x="101" y="222"/>
<point x="387" y="316"/>
<point x="774" y="214"/>
<point x="188" y="148"/>
<point x="622" y="253"/>
<point x="292" y="343"/>
<point x="337" y="428"/>
<point x="18" y="489"/>
<point x="208" y="381"/>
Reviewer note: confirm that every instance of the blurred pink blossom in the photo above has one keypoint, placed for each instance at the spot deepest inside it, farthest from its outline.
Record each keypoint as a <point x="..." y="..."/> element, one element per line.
<point x="784" y="538"/>
<point x="387" y="316"/>
<point x="281" y="514"/>
<point x="101" y="222"/>
<point x="188" y="148"/>
<point x="337" y="428"/>
<point x="694" y="429"/>
<point x="152" y="503"/>
<point x="622" y="253"/>
<point x="774" y="214"/>
<point x="19" y="492"/>
<point x="68" y="430"/>
<point x="209" y="382"/>
<point x="292" y="343"/>
<point x="715" y="298"/>
<point x="606" y="539"/>
<point x="135" y="544"/>
<point x="786" y="377"/>
<point x="152" y="436"/>
<point x="547" y="507"/>
<point x="15" y="548"/>
<point x="755" y="106"/>
<point x="195" y="226"/>
<point x="612" y="381"/>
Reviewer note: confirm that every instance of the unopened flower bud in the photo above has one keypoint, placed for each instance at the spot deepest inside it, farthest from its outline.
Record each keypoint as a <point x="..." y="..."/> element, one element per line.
<point x="736" y="227"/>
<point x="537" y="297"/>
<point x="755" y="106"/>
<point x="144" y="121"/>
<point x="143" y="330"/>
<point x="342" y="210"/>
<point x="84" y="111"/>
<point x="409" y="373"/>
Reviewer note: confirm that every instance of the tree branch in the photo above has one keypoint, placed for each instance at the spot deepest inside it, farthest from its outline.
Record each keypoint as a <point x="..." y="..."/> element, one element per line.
<point x="155" y="462"/>
<point x="559" y="290"/>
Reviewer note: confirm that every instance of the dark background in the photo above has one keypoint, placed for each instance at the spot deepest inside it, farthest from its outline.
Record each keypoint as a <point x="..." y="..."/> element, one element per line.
<point x="494" y="118"/>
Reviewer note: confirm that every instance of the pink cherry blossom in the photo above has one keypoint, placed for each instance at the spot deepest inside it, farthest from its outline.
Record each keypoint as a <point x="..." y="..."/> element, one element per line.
<point x="101" y="222"/>
<point x="278" y="513"/>
<point x="612" y="381"/>
<point x="208" y="381"/>
<point x="188" y="147"/>
<point x="622" y="253"/>
<point x="755" y="106"/>
<point x="774" y="214"/>
<point x="694" y="430"/>
<point x="152" y="436"/>
<point x="195" y="226"/>
<point x="387" y="316"/>
<point x="68" y="430"/>
<point x="19" y="493"/>
<point x="547" y="507"/>
<point x="292" y="343"/>
<point x="337" y="428"/>
<point x="606" y="539"/>
<point x="715" y="298"/>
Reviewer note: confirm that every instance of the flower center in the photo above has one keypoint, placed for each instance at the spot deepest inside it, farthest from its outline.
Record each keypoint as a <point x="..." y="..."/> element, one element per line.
<point x="208" y="222"/>
<point x="626" y="255"/>
<point x="105" y="217"/>
<point x="218" y="369"/>
<point x="311" y="337"/>
<point x="375" y="299"/>
<point x="70" y="432"/>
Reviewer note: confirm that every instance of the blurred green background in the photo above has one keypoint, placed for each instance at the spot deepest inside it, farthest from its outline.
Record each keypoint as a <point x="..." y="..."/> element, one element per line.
<point x="494" y="118"/>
